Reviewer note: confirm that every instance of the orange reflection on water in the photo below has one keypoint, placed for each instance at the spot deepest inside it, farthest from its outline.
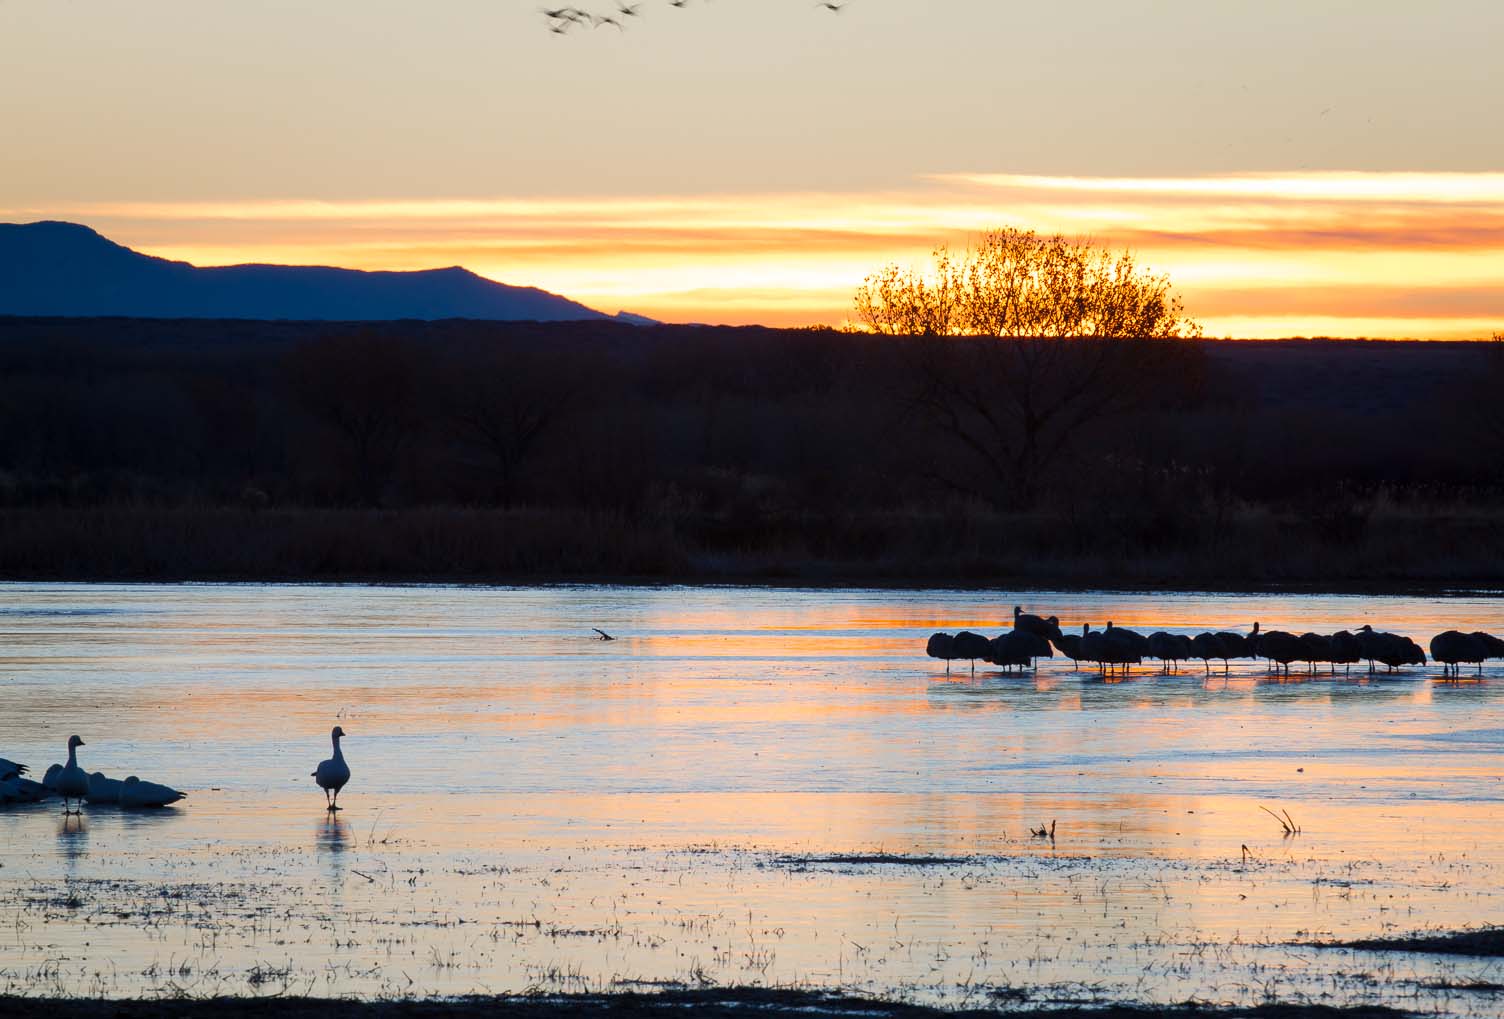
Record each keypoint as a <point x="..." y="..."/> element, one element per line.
<point x="512" y="772"/>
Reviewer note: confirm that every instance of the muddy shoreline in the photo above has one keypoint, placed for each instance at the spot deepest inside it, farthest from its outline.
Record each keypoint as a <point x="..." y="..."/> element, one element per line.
<point x="714" y="1003"/>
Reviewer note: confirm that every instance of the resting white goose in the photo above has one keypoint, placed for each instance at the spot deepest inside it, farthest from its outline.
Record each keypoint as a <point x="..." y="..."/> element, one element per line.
<point x="103" y="789"/>
<point x="30" y="792"/>
<point x="10" y="782"/>
<point x="331" y="775"/>
<point x="135" y="793"/>
<point x="73" y="781"/>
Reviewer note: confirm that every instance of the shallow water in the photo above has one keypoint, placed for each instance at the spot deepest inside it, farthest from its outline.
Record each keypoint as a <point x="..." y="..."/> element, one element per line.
<point x="534" y="808"/>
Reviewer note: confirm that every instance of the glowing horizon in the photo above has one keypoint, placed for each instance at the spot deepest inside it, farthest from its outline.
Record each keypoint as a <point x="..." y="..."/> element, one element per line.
<point x="1255" y="255"/>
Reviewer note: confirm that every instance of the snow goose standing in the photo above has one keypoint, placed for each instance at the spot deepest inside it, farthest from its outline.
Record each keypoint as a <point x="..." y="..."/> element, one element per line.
<point x="331" y="775"/>
<point x="73" y="781"/>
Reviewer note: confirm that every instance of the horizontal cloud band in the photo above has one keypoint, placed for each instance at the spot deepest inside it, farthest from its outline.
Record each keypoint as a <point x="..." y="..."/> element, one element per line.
<point x="1400" y="254"/>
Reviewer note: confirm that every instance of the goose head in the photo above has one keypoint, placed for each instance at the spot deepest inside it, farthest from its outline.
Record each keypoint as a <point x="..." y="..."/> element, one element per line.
<point x="337" y="733"/>
<point x="74" y="742"/>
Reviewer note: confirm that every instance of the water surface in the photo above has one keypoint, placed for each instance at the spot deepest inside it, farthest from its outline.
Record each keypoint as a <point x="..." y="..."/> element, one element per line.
<point x="534" y="808"/>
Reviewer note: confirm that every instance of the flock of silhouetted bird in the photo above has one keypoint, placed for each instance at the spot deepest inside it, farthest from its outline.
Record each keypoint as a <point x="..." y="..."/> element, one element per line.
<point x="75" y="787"/>
<point x="562" y="20"/>
<point x="1116" y="649"/>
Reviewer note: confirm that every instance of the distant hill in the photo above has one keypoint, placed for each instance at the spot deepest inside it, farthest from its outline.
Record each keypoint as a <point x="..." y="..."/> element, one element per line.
<point x="65" y="269"/>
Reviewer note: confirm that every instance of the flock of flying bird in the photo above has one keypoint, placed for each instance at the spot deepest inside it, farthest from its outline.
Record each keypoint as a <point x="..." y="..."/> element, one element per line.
<point x="76" y="786"/>
<point x="1116" y="649"/>
<point x="562" y="19"/>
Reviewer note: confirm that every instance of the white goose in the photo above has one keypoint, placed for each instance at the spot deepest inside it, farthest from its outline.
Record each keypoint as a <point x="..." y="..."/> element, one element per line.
<point x="103" y="789"/>
<point x="135" y="793"/>
<point x="73" y="781"/>
<point x="331" y="775"/>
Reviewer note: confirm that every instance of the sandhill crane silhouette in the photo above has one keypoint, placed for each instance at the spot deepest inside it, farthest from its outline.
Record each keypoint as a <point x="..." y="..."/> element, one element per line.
<point x="1114" y="646"/>
<point x="1316" y="648"/>
<point x="941" y="645"/>
<point x="1169" y="648"/>
<point x="1049" y="628"/>
<point x="1279" y="647"/>
<point x="1206" y="646"/>
<point x="1069" y="644"/>
<point x="971" y="646"/>
<point x="1389" y="649"/>
<point x="1346" y="651"/>
<point x="1020" y="649"/>
<point x="1128" y="646"/>
<point x="1453" y="648"/>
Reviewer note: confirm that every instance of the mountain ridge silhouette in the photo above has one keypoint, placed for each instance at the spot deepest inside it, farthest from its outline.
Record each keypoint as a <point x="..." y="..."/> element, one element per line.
<point x="62" y="269"/>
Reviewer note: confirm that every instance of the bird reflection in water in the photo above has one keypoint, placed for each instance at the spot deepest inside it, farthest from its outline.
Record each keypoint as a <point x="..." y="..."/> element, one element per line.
<point x="332" y="835"/>
<point x="330" y="840"/>
<point x="72" y="841"/>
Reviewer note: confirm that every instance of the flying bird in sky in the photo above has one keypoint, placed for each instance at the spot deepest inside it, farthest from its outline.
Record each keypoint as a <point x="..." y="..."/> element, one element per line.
<point x="562" y="19"/>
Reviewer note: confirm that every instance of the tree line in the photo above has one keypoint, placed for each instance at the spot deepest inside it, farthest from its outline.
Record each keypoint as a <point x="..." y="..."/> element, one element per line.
<point x="1030" y="402"/>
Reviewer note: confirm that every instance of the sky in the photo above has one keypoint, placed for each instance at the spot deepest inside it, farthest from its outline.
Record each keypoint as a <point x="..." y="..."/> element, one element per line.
<point x="1297" y="168"/>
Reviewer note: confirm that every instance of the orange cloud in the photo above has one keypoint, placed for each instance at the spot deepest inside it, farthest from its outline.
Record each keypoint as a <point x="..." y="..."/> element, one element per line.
<point x="1404" y="254"/>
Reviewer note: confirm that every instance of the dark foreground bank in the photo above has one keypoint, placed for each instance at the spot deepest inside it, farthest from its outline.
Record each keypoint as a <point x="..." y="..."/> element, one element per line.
<point x="716" y="1004"/>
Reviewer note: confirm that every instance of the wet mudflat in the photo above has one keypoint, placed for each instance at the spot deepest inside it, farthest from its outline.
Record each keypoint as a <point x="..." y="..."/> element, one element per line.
<point x="749" y="787"/>
<point x="715" y="1003"/>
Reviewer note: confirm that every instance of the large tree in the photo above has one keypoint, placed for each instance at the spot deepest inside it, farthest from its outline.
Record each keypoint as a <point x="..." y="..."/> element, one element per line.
<point x="1021" y="345"/>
